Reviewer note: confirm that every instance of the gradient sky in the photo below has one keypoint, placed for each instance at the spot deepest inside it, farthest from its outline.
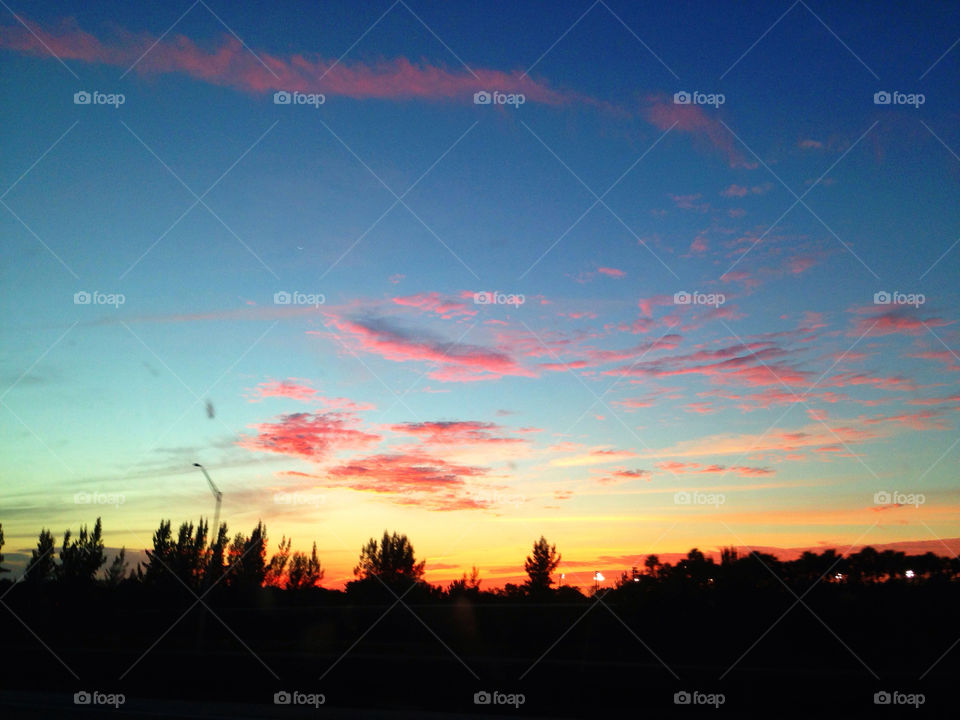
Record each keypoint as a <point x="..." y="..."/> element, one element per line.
<point x="402" y="403"/>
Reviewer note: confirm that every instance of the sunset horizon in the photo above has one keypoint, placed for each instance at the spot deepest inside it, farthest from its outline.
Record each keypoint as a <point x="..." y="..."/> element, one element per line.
<point x="635" y="280"/>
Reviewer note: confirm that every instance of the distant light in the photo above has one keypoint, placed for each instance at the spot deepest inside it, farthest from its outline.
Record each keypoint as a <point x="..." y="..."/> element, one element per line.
<point x="838" y="576"/>
<point x="909" y="573"/>
<point x="599" y="577"/>
<point x="636" y="579"/>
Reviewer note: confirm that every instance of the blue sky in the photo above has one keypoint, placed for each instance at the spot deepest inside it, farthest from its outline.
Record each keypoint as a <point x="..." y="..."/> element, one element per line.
<point x="402" y="402"/>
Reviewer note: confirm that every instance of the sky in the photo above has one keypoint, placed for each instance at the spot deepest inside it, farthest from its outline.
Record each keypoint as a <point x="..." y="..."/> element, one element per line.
<point x="686" y="280"/>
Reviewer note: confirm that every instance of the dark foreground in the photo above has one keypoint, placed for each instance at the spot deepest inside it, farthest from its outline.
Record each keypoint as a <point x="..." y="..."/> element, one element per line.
<point x="731" y="651"/>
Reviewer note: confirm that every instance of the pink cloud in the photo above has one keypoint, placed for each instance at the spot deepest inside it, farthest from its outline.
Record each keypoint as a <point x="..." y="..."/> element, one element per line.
<point x="230" y="64"/>
<point x="741" y="276"/>
<point x="412" y="479"/>
<point x="457" y="362"/>
<point x="698" y="246"/>
<point x="616" y="477"/>
<point x="693" y="119"/>
<point x="895" y="382"/>
<point x="307" y="436"/>
<point x="921" y="420"/>
<point x="735" y="191"/>
<point x="611" y="272"/>
<point x="944" y="356"/>
<point x="644" y="401"/>
<point x="646" y="305"/>
<point x="302" y="391"/>
<point x="750" y="364"/>
<point x="800" y="263"/>
<point x="880" y="320"/>
<point x="456" y="432"/>
<point x="434" y="302"/>
<point x="949" y="400"/>
<point x="585" y="315"/>
<point x="596" y="456"/>
<point x="681" y="467"/>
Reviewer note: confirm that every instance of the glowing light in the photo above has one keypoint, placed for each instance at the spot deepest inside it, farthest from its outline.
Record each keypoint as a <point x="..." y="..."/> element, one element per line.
<point x="910" y="573"/>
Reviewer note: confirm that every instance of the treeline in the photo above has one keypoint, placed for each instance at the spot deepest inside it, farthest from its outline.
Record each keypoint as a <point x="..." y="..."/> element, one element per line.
<point x="242" y="563"/>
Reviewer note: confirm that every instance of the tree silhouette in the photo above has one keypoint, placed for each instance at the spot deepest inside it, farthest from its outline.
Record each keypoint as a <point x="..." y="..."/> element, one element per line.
<point x="466" y="585"/>
<point x="391" y="560"/>
<point x="81" y="559"/>
<point x="277" y="564"/>
<point x="160" y="559"/>
<point x="540" y="565"/>
<point x="117" y="571"/>
<point x="2" y="568"/>
<point x="247" y="559"/>
<point x="190" y="554"/>
<point x="41" y="567"/>
<point x="651" y="563"/>
<point x="215" y="559"/>
<point x="305" y="572"/>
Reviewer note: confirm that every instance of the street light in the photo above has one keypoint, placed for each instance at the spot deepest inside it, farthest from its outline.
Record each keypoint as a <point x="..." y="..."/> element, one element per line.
<point x="598" y="577"/>
<point x="216" y="494"/>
